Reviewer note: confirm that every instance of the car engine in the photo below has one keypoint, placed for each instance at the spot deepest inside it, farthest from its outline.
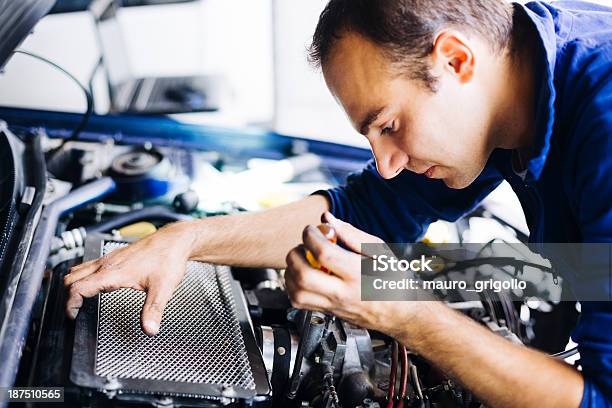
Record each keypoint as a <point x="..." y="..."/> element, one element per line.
<point x="230" y="336"/>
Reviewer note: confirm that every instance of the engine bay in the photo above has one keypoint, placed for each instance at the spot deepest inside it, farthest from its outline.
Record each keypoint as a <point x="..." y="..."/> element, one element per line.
<point x="232" y="337"/>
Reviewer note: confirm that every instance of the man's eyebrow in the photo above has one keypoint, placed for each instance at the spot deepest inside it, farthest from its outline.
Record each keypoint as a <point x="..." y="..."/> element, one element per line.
<point x="364" y="126"/>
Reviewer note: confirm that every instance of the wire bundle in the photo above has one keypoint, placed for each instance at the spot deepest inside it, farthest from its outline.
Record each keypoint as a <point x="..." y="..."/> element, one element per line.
<point x="398" y="352"/>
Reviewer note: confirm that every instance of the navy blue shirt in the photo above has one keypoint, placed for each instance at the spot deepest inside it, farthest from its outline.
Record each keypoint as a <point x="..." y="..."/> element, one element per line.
<point x="566" y="193"/>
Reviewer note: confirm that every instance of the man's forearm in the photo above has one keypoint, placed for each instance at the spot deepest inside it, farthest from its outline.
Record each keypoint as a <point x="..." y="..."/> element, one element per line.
<point x="257" y="239"/>
<point x="500" y="373"/>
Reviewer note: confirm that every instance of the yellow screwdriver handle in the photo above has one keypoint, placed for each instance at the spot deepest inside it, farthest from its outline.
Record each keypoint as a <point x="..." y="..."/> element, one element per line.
<point x="328" y="232"/>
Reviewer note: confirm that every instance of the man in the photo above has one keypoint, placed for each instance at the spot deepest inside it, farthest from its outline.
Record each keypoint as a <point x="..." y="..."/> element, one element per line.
<point x="453" y="97"/>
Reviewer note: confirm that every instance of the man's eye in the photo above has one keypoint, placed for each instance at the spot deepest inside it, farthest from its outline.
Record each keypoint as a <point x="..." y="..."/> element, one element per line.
<point x="388" y="129"/>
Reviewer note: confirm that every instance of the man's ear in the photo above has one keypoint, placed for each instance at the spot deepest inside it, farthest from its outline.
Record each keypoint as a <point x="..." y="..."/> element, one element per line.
<point x="452" y="52"/>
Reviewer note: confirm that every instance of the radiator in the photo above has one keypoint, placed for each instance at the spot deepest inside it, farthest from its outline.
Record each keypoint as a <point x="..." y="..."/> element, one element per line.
<point x="205" y="347"/>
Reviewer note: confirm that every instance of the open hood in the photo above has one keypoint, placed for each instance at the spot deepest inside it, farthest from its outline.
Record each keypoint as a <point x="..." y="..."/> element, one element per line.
<point x="17" y="19"/>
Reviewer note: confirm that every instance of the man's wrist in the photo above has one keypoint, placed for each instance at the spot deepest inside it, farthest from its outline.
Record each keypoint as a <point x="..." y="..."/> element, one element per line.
<point x="409" y="320"/>
<point x="395" y="318"/>
<point x="188" y="233"/>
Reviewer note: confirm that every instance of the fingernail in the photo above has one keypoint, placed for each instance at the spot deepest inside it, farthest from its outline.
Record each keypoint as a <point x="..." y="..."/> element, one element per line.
<point x="151" y="327"/>
<point x="74" y="313"/>
<point x="330" y="216"/>
<point x="316" y="233"/>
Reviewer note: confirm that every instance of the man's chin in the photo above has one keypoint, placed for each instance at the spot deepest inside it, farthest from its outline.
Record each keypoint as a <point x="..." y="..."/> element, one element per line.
<point x="458" y="183"/>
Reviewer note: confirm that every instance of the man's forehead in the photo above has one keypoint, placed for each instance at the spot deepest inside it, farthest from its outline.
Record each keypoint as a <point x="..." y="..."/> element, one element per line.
<point x="353" y="56"/>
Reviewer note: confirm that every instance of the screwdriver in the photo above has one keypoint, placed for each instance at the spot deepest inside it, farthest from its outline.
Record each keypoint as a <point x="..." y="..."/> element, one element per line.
<point x="328" y="232"/>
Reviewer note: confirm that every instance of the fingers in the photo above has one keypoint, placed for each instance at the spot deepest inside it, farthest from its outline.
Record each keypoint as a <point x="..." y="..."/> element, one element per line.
<point x="310" y="288"/>
<point x="158" y="296"/>
<point x="309" y="301"/>
<point x="351" y="237"/>
<point x="81" y="271"/>
<point x="336" y="259"/>
<point x="88" y="287"/>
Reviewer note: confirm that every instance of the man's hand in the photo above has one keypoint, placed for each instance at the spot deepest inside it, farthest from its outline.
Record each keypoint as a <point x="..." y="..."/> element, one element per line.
<point x="337" y="292"/>
<point x="449" y="340"/>
<point x="155" y="264"/>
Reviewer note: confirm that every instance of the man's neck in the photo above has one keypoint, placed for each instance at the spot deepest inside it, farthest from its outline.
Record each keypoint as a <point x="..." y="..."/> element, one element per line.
<point x="515" y="97"/>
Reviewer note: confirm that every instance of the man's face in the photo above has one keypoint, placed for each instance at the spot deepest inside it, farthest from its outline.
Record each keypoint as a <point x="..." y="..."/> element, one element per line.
<point x="442" y="134"/>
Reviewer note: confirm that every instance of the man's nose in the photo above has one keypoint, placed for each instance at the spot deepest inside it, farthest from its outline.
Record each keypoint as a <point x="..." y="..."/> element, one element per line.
<point x="389" y="159"/>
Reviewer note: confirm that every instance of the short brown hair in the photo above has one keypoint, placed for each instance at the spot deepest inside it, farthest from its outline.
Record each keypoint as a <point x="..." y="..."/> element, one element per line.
<point x="405" y="29"/>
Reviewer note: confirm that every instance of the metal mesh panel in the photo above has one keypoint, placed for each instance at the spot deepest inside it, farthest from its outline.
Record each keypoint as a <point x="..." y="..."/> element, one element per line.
<point x="199" y="342"/>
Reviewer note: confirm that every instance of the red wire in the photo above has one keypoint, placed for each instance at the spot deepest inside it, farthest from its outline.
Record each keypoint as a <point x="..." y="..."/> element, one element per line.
<point x="404" y="377"/>
<point x="393" y="375"/>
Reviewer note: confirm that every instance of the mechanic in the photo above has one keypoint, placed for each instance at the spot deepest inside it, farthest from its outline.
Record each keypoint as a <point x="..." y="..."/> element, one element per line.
<point x="453" y="96"/>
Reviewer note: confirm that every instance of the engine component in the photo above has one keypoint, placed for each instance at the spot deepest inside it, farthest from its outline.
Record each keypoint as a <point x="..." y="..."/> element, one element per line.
<point x="279" y="349"/>
<point x="137" y="162"/>
<point x="137" y="230"/>
<point x="11" y="185"/>
<point x="142" y="175"/>
<point x="205" y="348"/>
<point x="186" y="202"/>
<point x="69" y="239"/>
<point x="78" y="163"/>
<point x="334" y="363"/>
<point x="17" y="319"/>
<point x="156" y="212"/>
<point x="67" y="246"/>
